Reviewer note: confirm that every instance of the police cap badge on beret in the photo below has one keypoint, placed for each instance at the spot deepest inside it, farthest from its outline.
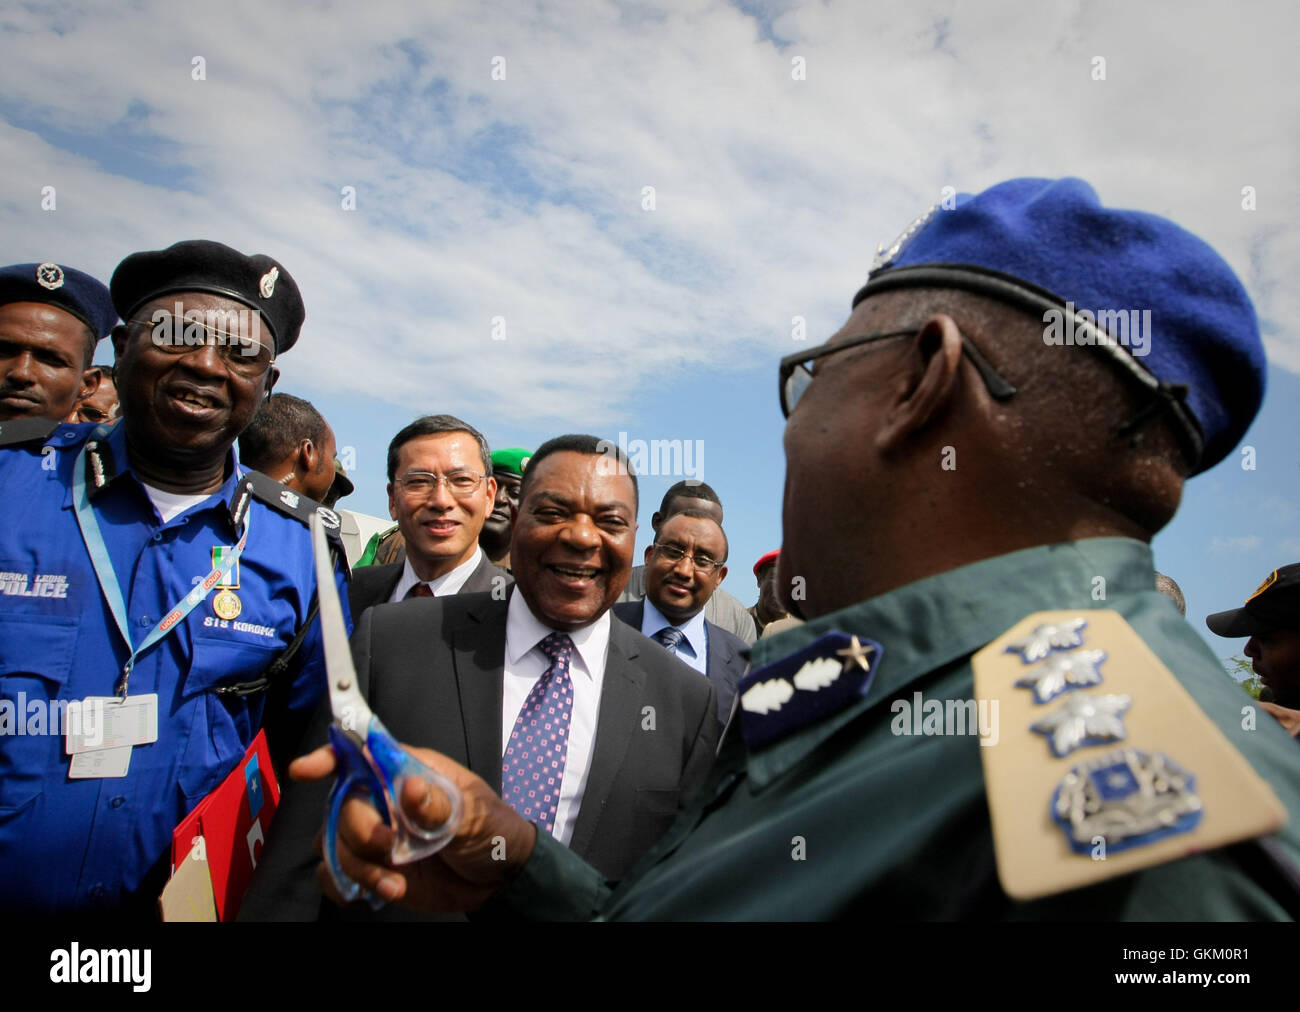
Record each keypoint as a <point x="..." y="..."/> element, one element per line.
<point x="200" y="265"/>
<point x="1049" y="246"/>
<point x="63" y="287"/>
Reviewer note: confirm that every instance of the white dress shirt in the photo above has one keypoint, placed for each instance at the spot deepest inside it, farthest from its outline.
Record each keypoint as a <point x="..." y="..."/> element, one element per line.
<point x="441" y="586"/>
<point x="694" y="650"/>
<point x="525" y="665"/>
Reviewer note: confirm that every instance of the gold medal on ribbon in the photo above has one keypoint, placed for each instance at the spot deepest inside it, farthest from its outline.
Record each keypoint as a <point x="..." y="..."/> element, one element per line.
<point x="226" y="605"/>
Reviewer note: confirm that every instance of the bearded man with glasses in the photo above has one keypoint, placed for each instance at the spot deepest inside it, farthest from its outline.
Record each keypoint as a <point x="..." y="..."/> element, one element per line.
<point x="146" y="564"/>
<point x="440" y="491"/>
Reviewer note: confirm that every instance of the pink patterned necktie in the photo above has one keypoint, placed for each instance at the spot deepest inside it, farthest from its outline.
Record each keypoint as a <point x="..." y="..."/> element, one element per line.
<point x="532" y="769"/>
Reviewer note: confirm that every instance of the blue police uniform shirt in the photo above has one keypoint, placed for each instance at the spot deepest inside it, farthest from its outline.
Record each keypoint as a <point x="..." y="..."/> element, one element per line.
<point x="89" y="844"/>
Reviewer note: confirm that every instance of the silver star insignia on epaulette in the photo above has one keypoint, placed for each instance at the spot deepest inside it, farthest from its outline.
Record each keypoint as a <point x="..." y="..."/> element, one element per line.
<point x="1045" y="638"/>
<point x="1084" y="719"/>
<point x="1062" y="672"/>
<point x="857" y="653"/>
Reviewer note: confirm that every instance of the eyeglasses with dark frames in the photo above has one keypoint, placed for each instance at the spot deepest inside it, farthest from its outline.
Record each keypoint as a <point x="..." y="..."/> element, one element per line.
<point x="795" y="372"/>
<point x="704" y="564"/>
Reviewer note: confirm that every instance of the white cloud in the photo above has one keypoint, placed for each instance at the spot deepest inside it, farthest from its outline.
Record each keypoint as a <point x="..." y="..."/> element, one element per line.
<point x="521" y="198"/>
<point x="1244" y="544"/>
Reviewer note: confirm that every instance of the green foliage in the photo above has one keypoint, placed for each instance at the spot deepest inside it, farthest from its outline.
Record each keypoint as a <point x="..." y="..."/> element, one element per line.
<point x="1239" y="669"/>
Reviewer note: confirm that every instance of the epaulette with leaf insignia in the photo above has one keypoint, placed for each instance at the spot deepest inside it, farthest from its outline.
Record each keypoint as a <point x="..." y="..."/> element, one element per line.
<point x="1104" y="763"/>
<point x="256" y="485"/>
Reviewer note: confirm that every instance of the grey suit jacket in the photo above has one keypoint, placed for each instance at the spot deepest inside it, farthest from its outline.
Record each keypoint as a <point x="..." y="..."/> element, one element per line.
<point x="372" y="585"/>
<point x="725" y="664"/>
<point x="432" y="671"/>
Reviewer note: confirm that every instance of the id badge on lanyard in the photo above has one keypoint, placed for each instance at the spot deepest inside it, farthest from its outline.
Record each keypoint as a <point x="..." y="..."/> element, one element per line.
<point x="109" y="727"/>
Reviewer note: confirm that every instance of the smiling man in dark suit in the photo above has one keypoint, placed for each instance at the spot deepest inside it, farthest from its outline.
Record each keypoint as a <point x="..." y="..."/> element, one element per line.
<point x="684" y="566"/>
<point x="440" y="489"/>
<point x="584" y="726"/>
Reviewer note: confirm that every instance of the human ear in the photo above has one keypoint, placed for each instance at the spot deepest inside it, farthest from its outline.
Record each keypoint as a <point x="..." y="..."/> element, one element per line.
<point x="935" y="356"/>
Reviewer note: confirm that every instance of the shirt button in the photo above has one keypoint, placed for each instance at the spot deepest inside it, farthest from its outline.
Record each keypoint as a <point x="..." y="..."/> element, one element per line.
<point x="118" y="802"/>
<point x="144" y="620"/>
<point x="158" y="536"/>
<point x="97" y="891"/>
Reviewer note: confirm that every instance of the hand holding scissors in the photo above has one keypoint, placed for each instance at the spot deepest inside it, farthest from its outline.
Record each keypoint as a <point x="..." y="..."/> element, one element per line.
<point x="371" y="762"/>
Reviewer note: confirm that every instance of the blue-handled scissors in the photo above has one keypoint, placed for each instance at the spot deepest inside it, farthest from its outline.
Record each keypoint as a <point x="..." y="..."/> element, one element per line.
<point x="371" y="762"/>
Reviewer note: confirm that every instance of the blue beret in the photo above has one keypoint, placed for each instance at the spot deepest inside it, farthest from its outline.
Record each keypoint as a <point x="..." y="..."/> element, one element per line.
<point x="1181" y="323"/>
<point x="200" y="265"/>
<point x="67" y="288"/>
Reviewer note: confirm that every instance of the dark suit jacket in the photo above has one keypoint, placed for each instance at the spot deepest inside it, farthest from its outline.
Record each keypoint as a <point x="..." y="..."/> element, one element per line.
<point x="724" y="665"/>
<point x="432" y="671"/>
<point x="372" y="585"/>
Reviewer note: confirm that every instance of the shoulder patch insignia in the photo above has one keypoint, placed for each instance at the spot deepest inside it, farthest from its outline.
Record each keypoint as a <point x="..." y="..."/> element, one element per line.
<point x="1134" y="773"/>
<point x="821" y="679"/>
<point x="267" y="490"/>
<point x="28" y="430"/>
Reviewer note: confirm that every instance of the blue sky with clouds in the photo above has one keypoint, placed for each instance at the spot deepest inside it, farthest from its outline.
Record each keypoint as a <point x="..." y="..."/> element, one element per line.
<point x="523" y="197"/>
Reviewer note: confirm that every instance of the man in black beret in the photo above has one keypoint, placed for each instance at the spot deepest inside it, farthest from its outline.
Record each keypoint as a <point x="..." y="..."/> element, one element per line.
<point x="51" y="318"/>
<point x="144" y="563"/>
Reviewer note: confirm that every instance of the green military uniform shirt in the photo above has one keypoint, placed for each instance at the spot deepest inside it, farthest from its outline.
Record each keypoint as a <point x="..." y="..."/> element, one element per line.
<point x="845" y="817"/>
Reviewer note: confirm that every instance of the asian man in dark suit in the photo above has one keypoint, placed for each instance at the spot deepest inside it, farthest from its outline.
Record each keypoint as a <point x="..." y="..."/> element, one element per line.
<point x="684" y="566"/>
<point x="440" y="490"/>
<point x="585" y="727"/>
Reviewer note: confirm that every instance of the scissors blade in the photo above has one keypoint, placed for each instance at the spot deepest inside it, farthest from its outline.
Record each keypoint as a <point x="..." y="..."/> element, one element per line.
<point x="350" y="709"/>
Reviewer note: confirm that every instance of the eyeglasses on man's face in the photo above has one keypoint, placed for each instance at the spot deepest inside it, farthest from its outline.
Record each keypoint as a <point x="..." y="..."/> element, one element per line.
<point x="241" y="351"/>
<point x="795" y="372"/>
<point x="420" y="484"/>
<point x="704" y="564"/>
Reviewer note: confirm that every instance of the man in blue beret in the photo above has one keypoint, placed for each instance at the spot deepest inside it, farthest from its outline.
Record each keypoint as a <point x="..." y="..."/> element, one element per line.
<point x="156" y="604"/>
<point x="990" y="711"/>
<point x="51" y="318"/>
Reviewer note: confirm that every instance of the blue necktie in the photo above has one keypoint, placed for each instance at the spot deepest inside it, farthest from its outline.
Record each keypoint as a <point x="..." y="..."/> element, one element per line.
<point x="670" y="637"/>
<point x="532" y="768"/>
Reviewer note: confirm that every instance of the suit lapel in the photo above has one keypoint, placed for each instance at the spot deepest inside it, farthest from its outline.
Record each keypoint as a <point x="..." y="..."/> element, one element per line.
<point x="620" y="709"/>
<point x="478" y="654"/>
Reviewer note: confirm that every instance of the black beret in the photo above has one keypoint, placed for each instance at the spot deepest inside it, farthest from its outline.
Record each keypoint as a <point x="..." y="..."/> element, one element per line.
<point x="200" y="265"/>
<point x="66" y="288"/>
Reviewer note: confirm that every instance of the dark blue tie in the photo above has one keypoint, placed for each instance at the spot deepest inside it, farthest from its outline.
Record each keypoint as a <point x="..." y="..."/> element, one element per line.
<point x="670" y="637"/>
<point x="532" y="768"/>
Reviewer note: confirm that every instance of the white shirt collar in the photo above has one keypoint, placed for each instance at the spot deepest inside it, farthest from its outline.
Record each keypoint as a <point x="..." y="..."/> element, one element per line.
<point x="524" y="631"/>
<point x="693" y="629"/>
<point x="441" y="586"/>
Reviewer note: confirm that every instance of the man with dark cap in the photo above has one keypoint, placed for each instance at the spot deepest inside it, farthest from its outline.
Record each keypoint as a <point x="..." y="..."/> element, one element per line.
<point x="51" y="318"/>
<point x="145" y="566"/>
<point x="290" y="440"/>
<point x="508" y="469"/>
<point x="995" y="581"/>
<point x="1271" y="618"/>
<point x="723" y="610"/>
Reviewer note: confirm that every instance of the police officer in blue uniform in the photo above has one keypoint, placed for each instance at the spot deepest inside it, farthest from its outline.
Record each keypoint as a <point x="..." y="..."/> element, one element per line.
<point x="156" y="599"/>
